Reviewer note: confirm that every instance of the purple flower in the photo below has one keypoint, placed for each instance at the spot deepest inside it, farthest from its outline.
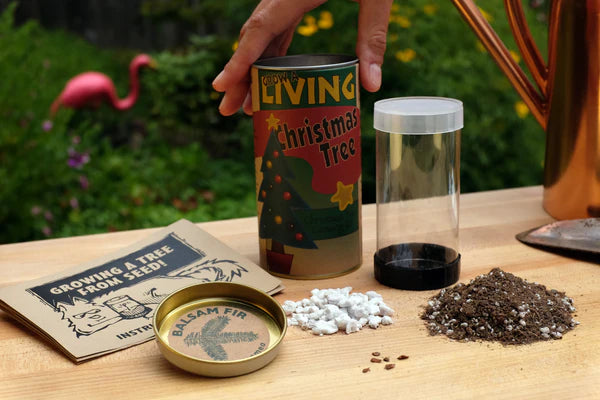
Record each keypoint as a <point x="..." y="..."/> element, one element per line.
<point x="47" y="125"/>
<point x="84" y="182"/>
<point x="77" y="159"/>
<point x="48" y="215"/>
<point x="74" y="202"/>
<point x="36" y="210"/>
<point x="46" y="230"/>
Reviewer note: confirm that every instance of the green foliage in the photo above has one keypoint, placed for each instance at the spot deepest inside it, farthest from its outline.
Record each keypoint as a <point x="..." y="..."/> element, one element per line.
<point x="224" y="17"/>
<point x="186" y="107"/>
<point x="499" y="148"/>
<point x="143" y="170"/>
<point x="173" y="156"/>
<point x="34" y="174"/>
<point x="432" y="52"/>
<point x="7" y="18"/>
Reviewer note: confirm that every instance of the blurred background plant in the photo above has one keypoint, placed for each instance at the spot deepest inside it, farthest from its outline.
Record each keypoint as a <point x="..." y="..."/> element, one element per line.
<point x="172" y="155"/>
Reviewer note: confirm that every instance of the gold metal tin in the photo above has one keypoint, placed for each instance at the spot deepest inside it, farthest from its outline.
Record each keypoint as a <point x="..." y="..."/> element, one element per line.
<point x="219" y="329"/>
<point x="306" y="115"/>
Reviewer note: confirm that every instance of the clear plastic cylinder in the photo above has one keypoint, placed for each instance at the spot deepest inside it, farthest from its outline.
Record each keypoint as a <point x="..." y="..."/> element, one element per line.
<point x="418" y="189"/>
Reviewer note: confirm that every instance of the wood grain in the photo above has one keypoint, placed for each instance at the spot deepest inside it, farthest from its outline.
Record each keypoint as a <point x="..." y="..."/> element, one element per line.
<point x="331" y="366"/>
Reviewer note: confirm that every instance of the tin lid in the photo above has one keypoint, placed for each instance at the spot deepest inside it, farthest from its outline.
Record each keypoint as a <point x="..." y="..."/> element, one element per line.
<point x="306" y="61"/>
<point x="418" y="115"/>
<point x="219" y="329"/>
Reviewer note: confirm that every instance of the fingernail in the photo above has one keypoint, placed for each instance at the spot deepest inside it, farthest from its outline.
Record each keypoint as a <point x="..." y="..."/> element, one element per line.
<point x="224" y="109"/>
<point x="216" y="80"/>
<point x="375" y="72"/>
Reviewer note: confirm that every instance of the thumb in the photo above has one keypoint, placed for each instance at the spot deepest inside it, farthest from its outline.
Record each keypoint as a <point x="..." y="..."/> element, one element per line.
<point x="373" y="19"/>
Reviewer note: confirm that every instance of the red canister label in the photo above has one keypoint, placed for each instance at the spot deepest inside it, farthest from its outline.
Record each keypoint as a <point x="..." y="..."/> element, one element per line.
<point x="308" y="169"/>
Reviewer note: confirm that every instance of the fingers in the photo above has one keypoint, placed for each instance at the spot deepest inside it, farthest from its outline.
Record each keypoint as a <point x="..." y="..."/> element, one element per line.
<point x="268" y="32"/>
<point x="373" y="19"/>
<point x="234" y="97"/>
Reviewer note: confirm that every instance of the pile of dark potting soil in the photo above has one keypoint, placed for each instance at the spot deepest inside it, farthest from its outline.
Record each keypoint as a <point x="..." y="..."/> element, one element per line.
<point x="502" y="307"/>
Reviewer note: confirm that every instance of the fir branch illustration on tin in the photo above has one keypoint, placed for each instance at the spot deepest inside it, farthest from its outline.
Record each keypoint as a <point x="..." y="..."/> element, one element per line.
<point x="212" y="337"/>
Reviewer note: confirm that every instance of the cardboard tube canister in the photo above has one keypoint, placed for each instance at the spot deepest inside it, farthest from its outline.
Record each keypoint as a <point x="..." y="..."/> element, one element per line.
<point x="308" y="164"/>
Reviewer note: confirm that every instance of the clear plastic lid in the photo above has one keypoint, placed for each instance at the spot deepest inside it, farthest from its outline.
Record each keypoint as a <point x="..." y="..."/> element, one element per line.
<point x="418" y="115"/>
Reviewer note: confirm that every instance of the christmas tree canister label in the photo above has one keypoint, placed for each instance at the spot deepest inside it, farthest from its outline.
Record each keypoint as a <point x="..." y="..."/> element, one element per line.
<point x="306" y="117"/>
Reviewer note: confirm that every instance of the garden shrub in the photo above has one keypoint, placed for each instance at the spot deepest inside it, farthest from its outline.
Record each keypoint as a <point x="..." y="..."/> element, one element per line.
<point x="87" y="171"/>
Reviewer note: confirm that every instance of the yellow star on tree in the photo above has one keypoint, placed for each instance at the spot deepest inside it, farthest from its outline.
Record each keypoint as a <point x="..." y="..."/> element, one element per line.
<point x="343" y="196"/>
<point x="272" y="121"/>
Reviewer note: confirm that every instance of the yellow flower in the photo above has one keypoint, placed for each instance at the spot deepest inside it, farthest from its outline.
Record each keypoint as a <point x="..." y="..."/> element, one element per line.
<point x="235" y="45"/>
<point x="515" y="56"/>
<point x="392" y="37"/>
<point x="307" y="30"/>
<point x="401" y="20"/>
<point x="480" y="47"/>
<point x="486" y="14"/>
<point x="395" y="7"/>
<point x="325" y="20"/>
<point x="406" y="55"/>
<point x="521" y="109"/>
<point x="310" y="26"/>
<point x="430" y="9"/>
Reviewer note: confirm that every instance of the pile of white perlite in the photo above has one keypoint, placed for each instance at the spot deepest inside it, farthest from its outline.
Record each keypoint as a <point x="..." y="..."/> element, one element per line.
<point x="329" y="310"/>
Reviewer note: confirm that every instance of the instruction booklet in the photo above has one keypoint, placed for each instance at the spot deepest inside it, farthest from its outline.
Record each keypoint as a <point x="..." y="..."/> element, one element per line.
<point x="107" y="304"/>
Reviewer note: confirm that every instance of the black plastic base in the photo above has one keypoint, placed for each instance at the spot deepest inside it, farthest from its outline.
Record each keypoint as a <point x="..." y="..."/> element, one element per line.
<point x="417" y="266"/>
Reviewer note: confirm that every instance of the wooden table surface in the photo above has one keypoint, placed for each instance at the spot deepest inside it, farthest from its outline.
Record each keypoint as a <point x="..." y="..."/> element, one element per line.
<point x="331" y="366"/>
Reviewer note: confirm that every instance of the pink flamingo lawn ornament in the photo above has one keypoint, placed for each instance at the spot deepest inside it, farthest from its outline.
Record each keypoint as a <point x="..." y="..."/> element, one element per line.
<point x="90" y="89"/>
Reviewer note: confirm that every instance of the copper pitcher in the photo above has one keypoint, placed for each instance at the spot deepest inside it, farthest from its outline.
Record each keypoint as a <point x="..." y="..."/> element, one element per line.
<point x="564" y="98"/>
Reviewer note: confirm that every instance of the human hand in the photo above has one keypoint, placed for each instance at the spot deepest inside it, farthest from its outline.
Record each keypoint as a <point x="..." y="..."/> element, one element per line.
<point x="269" y="31"/>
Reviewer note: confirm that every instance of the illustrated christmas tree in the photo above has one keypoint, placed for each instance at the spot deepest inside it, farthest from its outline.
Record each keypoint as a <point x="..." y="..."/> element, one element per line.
<point x="278" y="220"/>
